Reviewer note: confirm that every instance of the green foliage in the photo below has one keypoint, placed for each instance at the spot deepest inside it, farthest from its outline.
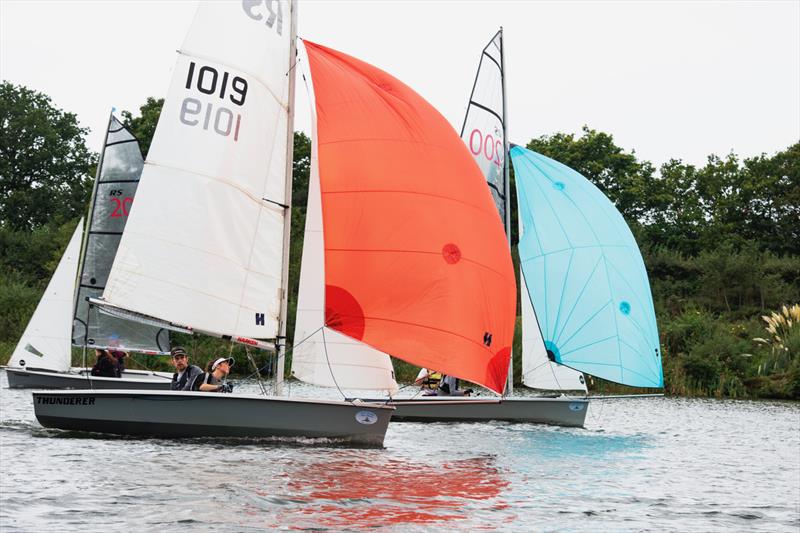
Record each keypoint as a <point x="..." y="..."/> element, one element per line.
<point x="45" y="167"/>
<point x="721" y="242"/>
<point x="144" y="126"/>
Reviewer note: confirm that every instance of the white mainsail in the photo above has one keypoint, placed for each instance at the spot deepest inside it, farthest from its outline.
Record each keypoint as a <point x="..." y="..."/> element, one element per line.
<point x="46" y="342"/>
<point x="321" y="355"/>
<point x="203" y="245"/>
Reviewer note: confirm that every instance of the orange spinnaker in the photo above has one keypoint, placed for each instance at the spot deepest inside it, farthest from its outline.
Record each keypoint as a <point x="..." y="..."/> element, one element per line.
<point x="416" y="261"/>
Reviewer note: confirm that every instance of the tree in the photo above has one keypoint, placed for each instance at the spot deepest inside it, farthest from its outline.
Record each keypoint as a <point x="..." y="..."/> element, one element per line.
<point x="46" y="169"/>
<point x="144" y="126"/>
<point x="624" y="179"/>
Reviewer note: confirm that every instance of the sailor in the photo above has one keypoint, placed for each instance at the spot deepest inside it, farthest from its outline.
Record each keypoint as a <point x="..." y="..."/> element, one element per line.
<point x="448" y="386"/>
<point x="106" y="365"/>
<point x="216" y="373"/>
<point x="428" y="380"/>
<point x="186" y="374"/>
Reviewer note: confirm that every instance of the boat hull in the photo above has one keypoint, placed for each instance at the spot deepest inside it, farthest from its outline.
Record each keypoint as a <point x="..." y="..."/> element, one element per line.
<point x="20" y="378"/>
<point x="562" y="411"/>
<point x="203" y="414"/>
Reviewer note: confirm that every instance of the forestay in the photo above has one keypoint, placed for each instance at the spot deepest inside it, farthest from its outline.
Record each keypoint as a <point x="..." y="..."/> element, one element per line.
<point x="114" y="190"/>
<point x="46" y="340"/>
<point x="483" y="129"/>
<point x="217" y="163"/>
<point x="416" y="261"/>
<point x="585" y="275"/>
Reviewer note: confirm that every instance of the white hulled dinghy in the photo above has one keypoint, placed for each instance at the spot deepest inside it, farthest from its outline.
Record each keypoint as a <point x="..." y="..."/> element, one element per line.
<point x="207" y="243"/>
<point x="36" y="365"/>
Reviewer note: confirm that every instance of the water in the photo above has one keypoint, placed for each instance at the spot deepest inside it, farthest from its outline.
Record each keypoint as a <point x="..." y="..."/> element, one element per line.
<point x="656" y="464"/>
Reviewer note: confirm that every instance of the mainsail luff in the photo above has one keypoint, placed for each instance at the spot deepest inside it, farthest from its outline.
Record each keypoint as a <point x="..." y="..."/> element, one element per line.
<point x="114" y="190"/>
<point x="216" y="162"/>
<point x="406" y="282"/>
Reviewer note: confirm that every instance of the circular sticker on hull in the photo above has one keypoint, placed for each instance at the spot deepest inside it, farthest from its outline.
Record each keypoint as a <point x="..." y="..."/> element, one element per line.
<point x="366" y="417"/>
<point x="575" y="406"/>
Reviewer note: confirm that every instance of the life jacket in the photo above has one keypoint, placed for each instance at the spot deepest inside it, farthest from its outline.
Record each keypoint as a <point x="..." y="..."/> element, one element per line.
<point x="189" y="376"/>
<point x="432" y="381"/>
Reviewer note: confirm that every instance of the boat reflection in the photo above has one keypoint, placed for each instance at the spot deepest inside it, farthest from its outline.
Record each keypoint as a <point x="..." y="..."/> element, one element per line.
<point x="360" y="493"/>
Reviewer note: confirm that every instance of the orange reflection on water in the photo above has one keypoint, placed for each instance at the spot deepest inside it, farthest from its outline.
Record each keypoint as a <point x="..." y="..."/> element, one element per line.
<point x="361" y="494"/>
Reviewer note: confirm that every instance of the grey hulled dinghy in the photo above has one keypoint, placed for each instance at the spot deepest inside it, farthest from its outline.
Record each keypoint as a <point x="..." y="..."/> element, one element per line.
<point x="561" y="411"/>
<point x="207" y="242"/>
<point x="198" y="414"/>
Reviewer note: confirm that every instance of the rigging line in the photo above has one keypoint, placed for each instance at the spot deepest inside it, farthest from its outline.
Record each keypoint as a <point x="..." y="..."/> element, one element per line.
<point x="325" y="347"/>
<point x="252" y="362"/>
<point x="287" y="352"/>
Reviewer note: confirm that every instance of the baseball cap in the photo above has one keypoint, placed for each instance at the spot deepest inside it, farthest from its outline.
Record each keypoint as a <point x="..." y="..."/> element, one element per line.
<point x="220" y="361"/>
<point x="178" y="350"/>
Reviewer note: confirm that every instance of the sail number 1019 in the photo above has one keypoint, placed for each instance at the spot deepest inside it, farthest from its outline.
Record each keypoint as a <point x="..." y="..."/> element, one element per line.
<point x="218" y="118"/>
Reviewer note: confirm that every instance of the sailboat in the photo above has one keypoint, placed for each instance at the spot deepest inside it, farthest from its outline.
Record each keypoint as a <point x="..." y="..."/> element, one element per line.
<point x="554" y="316"/>
<point x="46" y="364"/>
<point x="403" y="253"/>
<point x="339" y="308"/>
<point x="206" y="246"/>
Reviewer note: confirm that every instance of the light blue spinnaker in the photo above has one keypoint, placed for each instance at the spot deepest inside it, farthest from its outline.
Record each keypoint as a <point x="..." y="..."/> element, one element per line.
<point x="585" y="275"/>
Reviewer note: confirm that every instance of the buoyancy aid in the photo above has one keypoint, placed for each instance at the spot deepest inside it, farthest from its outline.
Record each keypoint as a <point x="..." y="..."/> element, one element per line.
<point x="432" y="381"/>
<point x="187" y="379"/>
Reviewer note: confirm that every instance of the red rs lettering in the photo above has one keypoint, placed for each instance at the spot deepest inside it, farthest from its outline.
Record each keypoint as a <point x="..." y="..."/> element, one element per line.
<point x="117" y="210"/>
<point x="122" y="208"/>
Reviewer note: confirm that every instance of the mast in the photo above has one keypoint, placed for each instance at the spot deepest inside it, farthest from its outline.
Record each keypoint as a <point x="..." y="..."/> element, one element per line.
<point x="507" y="185"/>
<point x="280" y="342"/>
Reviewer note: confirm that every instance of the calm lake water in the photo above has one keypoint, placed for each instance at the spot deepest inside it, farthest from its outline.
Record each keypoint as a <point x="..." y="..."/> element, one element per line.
<point x="655" y="464"/>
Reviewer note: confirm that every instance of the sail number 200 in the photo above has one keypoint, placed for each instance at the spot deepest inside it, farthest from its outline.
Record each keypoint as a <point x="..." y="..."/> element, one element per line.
<point x="218" y="118"/>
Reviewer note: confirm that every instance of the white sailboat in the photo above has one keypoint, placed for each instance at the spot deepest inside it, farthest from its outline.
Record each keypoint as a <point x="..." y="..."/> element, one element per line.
<point x="206" y="245"/>
<point x="48" y="366"/>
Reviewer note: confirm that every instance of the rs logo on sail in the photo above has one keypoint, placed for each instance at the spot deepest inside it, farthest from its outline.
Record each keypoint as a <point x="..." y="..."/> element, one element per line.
<point x="249" y="8"/>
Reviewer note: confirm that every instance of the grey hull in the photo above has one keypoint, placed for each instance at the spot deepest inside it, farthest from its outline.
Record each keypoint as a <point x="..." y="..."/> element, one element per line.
<point x="43" y="379"/>
<point x="562" y="411"/>
<point x="203" y="414"/>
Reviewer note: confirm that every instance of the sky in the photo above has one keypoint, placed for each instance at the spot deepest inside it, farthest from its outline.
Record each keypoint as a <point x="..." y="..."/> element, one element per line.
<point x="667" y="79"/>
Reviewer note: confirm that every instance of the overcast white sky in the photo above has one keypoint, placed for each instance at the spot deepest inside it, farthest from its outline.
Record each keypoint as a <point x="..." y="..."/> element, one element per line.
<point x="668" y="79"/>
